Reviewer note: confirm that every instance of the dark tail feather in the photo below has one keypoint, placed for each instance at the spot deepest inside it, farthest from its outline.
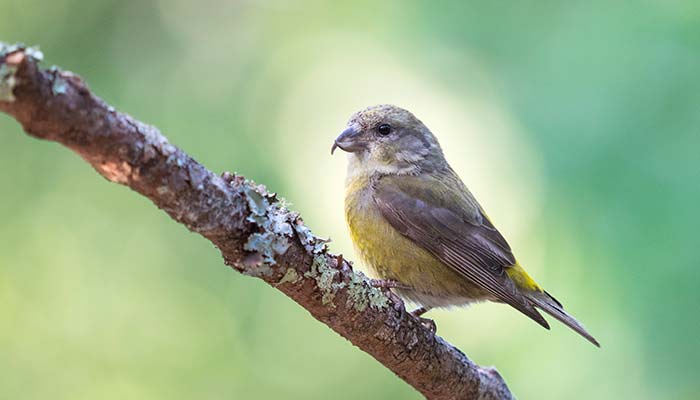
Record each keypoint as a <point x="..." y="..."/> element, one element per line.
<point x="551" y="306"/>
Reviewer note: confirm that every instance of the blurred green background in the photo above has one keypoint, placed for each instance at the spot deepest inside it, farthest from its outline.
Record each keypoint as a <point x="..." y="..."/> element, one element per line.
<point x="577" y="124"/>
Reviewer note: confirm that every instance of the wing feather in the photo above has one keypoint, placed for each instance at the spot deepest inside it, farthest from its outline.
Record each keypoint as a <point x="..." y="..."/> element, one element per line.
<point x="454" y="232"/>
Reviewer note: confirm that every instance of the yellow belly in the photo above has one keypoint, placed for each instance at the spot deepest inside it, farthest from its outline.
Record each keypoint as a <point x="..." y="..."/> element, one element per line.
<point x="392" y="256"/>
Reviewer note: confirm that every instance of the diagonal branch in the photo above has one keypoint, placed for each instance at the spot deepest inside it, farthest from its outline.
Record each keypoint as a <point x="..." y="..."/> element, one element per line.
<point x="256" y="234"/>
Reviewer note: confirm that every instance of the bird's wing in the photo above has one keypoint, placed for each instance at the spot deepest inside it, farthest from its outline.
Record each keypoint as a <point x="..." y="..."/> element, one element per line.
<point x="440" y="215"/>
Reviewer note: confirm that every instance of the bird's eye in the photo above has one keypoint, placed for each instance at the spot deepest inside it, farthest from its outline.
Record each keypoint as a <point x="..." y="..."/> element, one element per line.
<point x="384" y="129"/>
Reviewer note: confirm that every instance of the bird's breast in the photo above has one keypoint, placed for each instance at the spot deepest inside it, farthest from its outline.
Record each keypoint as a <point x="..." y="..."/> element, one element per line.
<point x="390" y="255"/>
<point x="376" y="241"/>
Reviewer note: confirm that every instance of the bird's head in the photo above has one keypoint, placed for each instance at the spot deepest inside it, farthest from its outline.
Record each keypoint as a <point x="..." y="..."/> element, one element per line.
<point x="388" y="139"/>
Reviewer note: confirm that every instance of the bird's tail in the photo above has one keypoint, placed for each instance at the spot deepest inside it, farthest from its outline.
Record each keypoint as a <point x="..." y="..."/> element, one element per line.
<point x="551" y="306"/>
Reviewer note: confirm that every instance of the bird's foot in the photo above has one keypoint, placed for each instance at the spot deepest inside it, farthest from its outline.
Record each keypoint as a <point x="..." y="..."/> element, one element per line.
<point x="387" y="284"/>
<point x="426" y="322"/>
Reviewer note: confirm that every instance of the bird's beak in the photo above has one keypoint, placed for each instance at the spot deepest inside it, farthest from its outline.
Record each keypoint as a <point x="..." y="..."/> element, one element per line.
<point x="348" y="141"/>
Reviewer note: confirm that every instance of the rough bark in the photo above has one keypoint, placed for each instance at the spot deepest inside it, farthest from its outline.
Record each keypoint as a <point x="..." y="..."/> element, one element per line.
<point x="255" y="232"/>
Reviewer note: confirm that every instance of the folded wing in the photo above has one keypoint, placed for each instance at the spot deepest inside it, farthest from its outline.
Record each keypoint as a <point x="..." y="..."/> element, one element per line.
<point x="449" y="224"/>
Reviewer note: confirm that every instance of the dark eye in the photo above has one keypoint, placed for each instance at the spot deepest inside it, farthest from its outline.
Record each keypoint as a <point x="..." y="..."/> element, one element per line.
<point x="384" y="129"/>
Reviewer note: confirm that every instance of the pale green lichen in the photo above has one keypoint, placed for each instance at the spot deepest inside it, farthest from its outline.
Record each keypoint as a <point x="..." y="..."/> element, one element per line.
<point x="7" y="72"/>
<point x="258" y="242"/>
<point x="279" y="224"/>
<point x="290" y="276"/>
<point x="267" y="244"/>
<point x="357" y="297"/>
<point x="59" y="85"/>
<point x="324" y="276"/>
<point x="361" y="295"/>
<point x="284" y="203"/>
<point x="311" y="242"/>
<point x="5" y="48"/>
<point x="257" y="203"/>
<point x="33" y="52"/>
<point x="272" y="219"/>
<point x="376" y="298"/>
<point x="7" y="82"/>
<point x="273" y="239"/>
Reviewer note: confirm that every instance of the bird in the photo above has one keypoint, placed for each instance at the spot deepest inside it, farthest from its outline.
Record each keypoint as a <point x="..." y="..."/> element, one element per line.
<point x="416" y="226"/>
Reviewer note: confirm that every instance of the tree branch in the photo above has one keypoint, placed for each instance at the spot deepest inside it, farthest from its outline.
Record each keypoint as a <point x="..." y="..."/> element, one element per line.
<point x="256" y="234"/>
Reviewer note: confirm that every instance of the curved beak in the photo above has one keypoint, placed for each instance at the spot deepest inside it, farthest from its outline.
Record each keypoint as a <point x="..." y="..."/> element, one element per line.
<point x="348" y="140"/>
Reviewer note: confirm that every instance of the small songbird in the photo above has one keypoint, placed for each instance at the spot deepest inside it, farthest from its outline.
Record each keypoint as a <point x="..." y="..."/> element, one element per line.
<point x="421" y="231"/>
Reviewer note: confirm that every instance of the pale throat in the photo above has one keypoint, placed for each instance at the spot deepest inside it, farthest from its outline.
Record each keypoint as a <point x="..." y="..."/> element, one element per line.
<point x="362" y="165"/>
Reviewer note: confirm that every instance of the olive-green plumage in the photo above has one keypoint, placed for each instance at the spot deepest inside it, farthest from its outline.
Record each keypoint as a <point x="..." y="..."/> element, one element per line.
<point x="414" y="222"/>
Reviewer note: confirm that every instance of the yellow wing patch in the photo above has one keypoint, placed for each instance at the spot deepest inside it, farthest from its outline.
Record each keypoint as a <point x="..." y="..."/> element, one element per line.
<point x="517" y="273"/>
<point x="521" y="278"/>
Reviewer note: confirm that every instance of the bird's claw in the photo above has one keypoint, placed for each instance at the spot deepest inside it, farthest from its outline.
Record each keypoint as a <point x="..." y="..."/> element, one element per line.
<point x="426" y="322"/>
<point x="398" y="301"/>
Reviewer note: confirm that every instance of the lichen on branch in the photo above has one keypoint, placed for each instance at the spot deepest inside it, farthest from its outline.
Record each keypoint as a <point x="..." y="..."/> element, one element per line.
<point x="254" y="229"/>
